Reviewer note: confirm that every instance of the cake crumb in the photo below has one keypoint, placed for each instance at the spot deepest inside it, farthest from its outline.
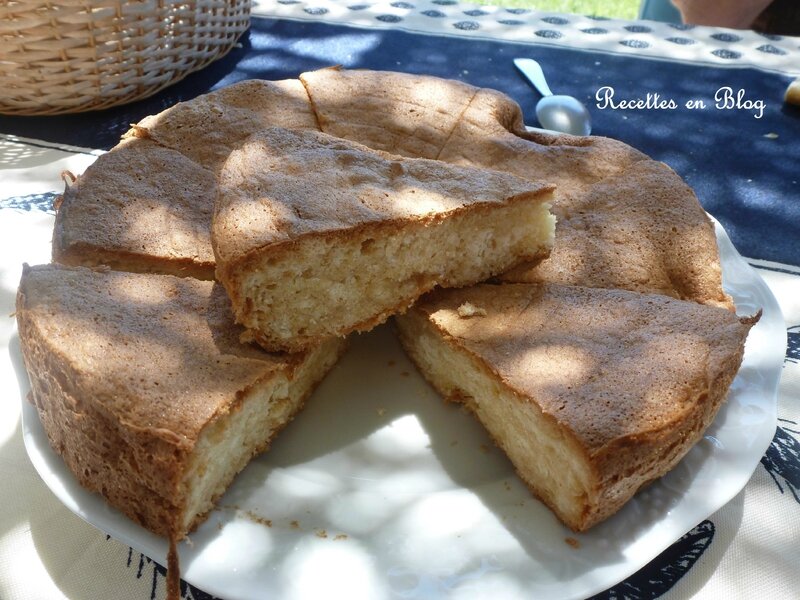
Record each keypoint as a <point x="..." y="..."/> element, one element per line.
<point x="571" y="541"/>
<point x="341" y="536"/>
<point x="405" y="374"/>
<point x="381" y="412"/>
<point x="321" y="533"/>
<point x="258" y="518"/>
<point x="391" y="363"/>
<point x="468" y="310"/>
<point x="295" y="524"/>
<point x="771" y="136"/>
<point x="485" y="448"/>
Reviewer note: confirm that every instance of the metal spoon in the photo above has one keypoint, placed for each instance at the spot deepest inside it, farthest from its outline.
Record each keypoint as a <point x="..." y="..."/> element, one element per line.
<point x="559" y="113"/>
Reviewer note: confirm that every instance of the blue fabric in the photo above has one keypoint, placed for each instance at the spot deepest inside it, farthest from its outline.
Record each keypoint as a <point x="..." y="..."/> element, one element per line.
<point x="745" y="177"/>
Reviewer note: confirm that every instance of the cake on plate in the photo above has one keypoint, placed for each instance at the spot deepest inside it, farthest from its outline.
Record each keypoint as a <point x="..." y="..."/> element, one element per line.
<point x="146" y="392"/>
<point x="591" y="393"/>
<point x="323" y="205"/>
<point x="316" y="236"/>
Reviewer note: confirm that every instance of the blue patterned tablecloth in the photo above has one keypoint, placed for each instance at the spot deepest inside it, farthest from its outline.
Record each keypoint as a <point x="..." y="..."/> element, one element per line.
<point x="743" y="161"/>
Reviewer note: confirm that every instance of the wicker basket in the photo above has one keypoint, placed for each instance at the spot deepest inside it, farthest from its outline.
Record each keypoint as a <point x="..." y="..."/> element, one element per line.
<point x="79" y="55"/>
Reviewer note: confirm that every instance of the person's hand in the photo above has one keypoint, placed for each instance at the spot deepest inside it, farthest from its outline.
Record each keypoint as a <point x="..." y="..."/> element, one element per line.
<point x="793" y="93"/>
<point x="737" y="14"/>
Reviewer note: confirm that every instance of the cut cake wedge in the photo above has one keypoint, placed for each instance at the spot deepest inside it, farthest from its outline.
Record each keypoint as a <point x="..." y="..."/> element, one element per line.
<point x="405" y="114"/>
<point x="144" y="389"/>
<point x="642" y="230"/>
<point x="316" y="236"/>
<point x="141" y="208"/>
<point x="591" y="393"/>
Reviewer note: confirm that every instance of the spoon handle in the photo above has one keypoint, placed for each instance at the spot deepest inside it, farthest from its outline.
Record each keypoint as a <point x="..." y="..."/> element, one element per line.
<point x="533" y="73"/>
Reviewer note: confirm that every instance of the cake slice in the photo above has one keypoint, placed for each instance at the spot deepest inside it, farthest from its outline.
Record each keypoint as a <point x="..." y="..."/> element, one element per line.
<point x="401" y="113"/>
<point x="142" y="208"/>
<point x="641" y="230"/>
<point x="207" y="128"/>
<point x="591" y="393"/>
<point x="315" y="236"/>
<point x="144" y="389"/>
<point x="490" y="133"/>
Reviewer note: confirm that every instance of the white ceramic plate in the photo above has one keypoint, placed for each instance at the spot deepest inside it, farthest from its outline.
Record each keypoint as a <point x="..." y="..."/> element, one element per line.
<point x="380" y="489"/>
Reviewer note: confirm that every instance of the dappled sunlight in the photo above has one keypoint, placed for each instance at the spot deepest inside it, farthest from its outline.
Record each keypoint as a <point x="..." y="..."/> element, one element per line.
<point x="139" y="202"/>
<point x="335" y="49"/>
<point x="349" y="565"/>
<point x="179" y="237"/>
<point x="424" y="203"/>
<point x="223" y="550"/>
<point x="14" y="154"/>
<point x="206" y="129"/>
<point x="457" y="521"/>
<point x="403" y="439"/>
<point x="160" y="338"/>
<point x="642" y="230"/>
<point x="403" y="114"/>
<point x="572" y="163"/>
<point x="556" y="364"/>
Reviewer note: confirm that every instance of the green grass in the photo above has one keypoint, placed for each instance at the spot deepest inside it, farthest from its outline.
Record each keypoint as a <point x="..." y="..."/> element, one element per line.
<point x="620" y="9"/>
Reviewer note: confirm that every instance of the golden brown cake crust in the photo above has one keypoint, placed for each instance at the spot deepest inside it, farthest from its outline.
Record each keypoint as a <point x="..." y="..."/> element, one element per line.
<point x="422" y="116"/>
<point x="491" y="134"/>
<point x="400" y="113"/>
<point x="139" y="207"/>
<point x="282" y="185"/>
<point x="642" y="230"/>
<point x="126" y="370"/>
<point x="207" y="128"/>
<point x="633" y="378"/>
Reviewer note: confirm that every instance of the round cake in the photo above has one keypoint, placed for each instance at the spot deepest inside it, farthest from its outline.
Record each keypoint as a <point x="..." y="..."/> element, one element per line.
<point x="631" y="242"/>
<point x="623" y="220"/>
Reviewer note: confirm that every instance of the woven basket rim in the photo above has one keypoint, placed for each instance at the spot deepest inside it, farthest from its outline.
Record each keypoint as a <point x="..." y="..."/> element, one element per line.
<point x="83" y="55"/>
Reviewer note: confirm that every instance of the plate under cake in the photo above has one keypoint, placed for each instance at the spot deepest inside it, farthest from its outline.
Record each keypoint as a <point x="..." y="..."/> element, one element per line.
<point x="591" y="393"/>
<point x="316" y="236"/>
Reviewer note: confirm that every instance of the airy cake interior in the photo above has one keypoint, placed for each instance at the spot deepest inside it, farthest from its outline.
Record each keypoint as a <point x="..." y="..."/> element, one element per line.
<point x="356" y="279"/>
<point x="228" y="444"/>
<point x="549" y="462"/>
<point x="144" y="390"/>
